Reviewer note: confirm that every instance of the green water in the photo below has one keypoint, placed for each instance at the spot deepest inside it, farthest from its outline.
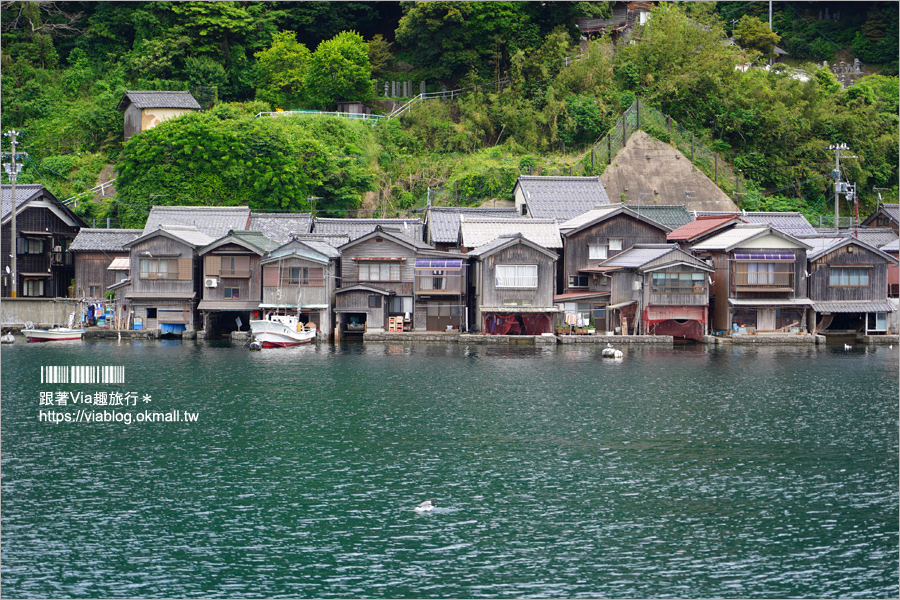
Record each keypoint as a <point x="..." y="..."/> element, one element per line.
<point x="690" y="472"/>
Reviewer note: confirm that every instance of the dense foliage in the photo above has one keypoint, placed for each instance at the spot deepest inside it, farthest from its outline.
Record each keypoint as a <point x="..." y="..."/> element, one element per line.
<point x="66" y="65"/>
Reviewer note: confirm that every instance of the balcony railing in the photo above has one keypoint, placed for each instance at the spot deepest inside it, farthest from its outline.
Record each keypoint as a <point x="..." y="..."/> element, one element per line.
<point x="763" y="281"/>
<point x="438" y="284"/>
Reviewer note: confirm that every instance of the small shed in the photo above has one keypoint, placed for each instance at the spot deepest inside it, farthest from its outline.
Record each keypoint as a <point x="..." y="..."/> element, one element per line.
<point x="147" y="109"/>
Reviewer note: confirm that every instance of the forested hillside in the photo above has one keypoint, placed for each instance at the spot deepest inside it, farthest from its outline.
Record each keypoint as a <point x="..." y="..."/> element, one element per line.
<point x="66" y="65"/>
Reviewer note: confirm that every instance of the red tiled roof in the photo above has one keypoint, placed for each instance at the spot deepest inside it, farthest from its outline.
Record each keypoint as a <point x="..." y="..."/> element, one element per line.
<point x="700" y="226"/>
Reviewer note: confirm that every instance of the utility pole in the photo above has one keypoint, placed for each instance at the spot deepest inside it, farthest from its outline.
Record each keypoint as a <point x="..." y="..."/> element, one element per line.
<point x="840" y="186"/>
<point x="12" y="169"/>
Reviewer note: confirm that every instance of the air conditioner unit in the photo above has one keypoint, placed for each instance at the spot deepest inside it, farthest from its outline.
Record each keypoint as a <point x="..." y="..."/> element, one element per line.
<point x="211" y="282"/>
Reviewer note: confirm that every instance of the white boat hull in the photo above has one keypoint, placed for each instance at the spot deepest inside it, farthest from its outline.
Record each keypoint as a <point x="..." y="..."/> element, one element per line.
<point x="52" y="335"/>
<point x="281" y="331"/>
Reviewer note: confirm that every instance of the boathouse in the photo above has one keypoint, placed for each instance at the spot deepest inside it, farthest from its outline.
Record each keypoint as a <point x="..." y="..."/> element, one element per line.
<point x="165" y="278"/>
<point x="232" y="281"/>
<point x="663" y="289"/>
<point x="101" y="260"/>
<point x="45" y="229"/>
<point x="513" y="280"/>
<point x="848" y="286"/>
<point x="301" y="275"/>
<point x="759" y="284"/>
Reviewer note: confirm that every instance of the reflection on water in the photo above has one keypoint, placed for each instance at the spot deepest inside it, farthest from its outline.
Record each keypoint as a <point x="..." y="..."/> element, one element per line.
<point x="689" y="472"/>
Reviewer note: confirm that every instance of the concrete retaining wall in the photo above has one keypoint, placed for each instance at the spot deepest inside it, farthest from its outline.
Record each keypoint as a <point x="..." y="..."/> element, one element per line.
<point x="878" y="339"/>
<point x="790" y="338"/>
<point x="617" y="340"/>
<point x="411" y="336"/>
<point x="43" y="312"/>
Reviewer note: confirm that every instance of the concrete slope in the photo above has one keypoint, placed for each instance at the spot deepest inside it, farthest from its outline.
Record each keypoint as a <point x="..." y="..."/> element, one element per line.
<point x="648" y="171"/>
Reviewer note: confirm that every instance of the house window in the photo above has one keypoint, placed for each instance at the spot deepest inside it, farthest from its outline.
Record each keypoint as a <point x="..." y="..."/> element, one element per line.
<point x="516" y="276"/>
<point x="159" y="268"/>
<point x="235" y="266"/>
<point x="877" y="321"/>
<point x="33" y="287"/>
<point x="578" y="281"/>
<point x="597" y="252"/>
<point x="374" y="301"/>
<point x="232" y="292"/>
<point x="303" y="276"/>
<point x="848" y="277"/>
<point x="678" y="283"/>
<point x="375" y="271"/>
<point x="29" y="246"/>
<point x="151" y="313"/>
<point x="761" y="273"/>
<point x="615" y="243"/>
<point x="400" y="305"/>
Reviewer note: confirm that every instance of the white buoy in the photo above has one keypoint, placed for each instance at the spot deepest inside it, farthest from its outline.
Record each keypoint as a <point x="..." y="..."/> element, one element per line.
<point x="426" y="506"/>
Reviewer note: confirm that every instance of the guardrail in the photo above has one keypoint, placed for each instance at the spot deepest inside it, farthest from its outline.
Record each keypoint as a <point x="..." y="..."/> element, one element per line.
<point x="99" y="188"/>
<point x="345" y="115"/>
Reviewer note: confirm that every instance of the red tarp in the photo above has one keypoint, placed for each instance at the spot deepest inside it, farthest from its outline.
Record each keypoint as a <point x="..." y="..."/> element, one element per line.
<point x="531" y="324"/>
<point x="678" y="321"/>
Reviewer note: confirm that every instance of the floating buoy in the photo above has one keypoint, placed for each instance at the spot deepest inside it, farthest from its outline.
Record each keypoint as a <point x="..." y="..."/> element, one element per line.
<point x="610" y="352"/>
<point x="8" y="339"/>
<point x="254" y="345"/>
<point x="426" y="506"/>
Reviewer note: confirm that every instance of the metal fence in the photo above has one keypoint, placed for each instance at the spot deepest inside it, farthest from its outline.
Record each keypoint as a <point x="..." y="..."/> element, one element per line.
<point x="640" y="116"/>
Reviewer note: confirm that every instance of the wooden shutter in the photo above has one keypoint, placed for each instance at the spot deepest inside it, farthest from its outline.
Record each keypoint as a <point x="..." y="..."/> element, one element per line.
<point x="213" y="264"/>
<point x="270" y="276"/>
<point x="316" y="277"/>
<point x="185" y="268"/>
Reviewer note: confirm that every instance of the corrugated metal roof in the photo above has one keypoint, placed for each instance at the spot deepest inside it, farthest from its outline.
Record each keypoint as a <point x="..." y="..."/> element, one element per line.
<point x="280" y="227"/>
<point x="120" y="263"/>
<point x="24" y="193"/>
<point x="476" y="232"/>
<point x="214" y="221"/>
<point x="699" y="226"/>
<point x="443" y="221"/>
<point x="793" y="223"/>
<point x="103" y="240"/>
<point x="891" y="247"/>
<point x="735" y="236"/>
<point x="356" y="228"/>
<point x="561" y="198"/>
<point x="670" y="215"/>
<point x="854" y="307"/>
<point x="638" y="255"/>
<point x="158" y="99"/>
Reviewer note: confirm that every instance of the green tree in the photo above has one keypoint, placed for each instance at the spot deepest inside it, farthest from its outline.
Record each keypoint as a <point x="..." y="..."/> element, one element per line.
<point x="380" y="57"/>
<point x="754" y="34"/>
<point x="281" y="72"/>
<point x="339" y="70"/>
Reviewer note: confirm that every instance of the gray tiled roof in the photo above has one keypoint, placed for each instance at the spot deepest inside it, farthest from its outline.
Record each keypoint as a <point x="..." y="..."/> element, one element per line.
<point x="280" y="226"/>
<point x="103" y="240"/>
<point x="891" y="210"/>
<point x="854" y="307"/>
<point x="638" y="255"/>
<point x="158" y="99"/>
<point x="892" y="246"/>
<point x="672" y="216"/>
<point x="335" y="240"/>
<point x="356" y="228"/>
<point x="595" y="215"/>
<point x="214" y="221"/>
<point x="443" y="221"/>
<point x="24" y="193"/>
<point x="874" y="236"/>
<point x="793" y="223"/>
<point x="825" y="244"/>
<point x="561" y="198"/>
<point x="187" y="233"/>
<point x="477" y="231"/>
<point x="256" y="239"/>
<point x="495" y="243"/>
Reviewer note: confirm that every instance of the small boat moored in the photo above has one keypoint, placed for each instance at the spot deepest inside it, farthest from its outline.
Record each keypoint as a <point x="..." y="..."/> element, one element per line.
<point x="280" y="331"/>
<point x="57" y="334"/>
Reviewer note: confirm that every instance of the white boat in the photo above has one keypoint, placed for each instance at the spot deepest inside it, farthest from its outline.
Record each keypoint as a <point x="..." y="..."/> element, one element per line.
<point x="56" y="334"/>
<point x="278" y="331"/>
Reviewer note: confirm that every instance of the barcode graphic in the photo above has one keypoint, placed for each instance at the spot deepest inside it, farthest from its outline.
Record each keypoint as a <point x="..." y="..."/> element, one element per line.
<point x="83" y="374"/>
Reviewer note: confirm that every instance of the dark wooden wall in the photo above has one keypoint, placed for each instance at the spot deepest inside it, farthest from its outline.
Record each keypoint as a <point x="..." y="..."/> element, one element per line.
<point x="820" y="269"/>
<point x="518" y="254"/>
<point x="91" y="268"/>
<point x="632" y="231"/>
